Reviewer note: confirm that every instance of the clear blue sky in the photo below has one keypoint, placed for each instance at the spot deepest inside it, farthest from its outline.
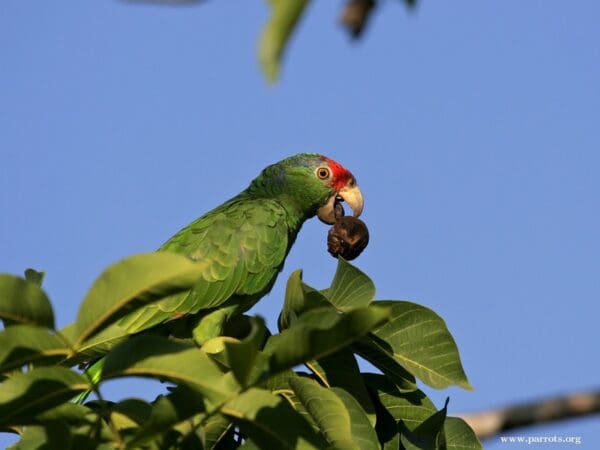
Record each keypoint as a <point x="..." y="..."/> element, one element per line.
<point x="472" y="127"/>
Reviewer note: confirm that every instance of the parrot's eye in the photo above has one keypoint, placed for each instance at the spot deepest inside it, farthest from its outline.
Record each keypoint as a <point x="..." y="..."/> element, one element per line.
<point x="323" y="173"/>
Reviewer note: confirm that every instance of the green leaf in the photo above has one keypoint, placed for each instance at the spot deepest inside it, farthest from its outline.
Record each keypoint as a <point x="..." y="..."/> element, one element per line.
<point x="417" y="338"/>
<point x="411" y="407"/>
<point x="379" y="355"/>
<point x="270" y="422"/>
<point x="362" y="429"/>
<point x="428" y="435"/>
<point x="130" y="413"/>
<point x="34" y="276"/>
<point x="25" y="395"/>
<point x="24" y="302"/>
<point x="299" y="298"/>
<point x="97" y="345"/>
<point x="215" y="428"/>
<point x="339" y="417"/>
<point x="25" y="344"/>
<point x="459" y="435"/>
<point x="341" y="370"/>
<point x="350" y="287"/>
<point x="244" y="356"/>
<point x="181" y="405"/>
<point x="160" y="358"/>
<point x="130" y="284"/>
<point x="319" y="332"/>
<point x="281" y="24"/>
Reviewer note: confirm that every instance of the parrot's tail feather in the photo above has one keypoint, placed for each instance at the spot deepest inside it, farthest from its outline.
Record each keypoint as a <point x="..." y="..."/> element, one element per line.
<point x="93" y="373"/>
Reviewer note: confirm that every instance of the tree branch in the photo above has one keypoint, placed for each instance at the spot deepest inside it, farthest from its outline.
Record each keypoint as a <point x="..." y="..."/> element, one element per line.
<point x="489" y="423"/>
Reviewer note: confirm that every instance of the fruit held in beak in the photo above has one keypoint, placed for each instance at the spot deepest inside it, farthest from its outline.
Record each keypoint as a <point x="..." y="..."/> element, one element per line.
<point x="347" y="238"/>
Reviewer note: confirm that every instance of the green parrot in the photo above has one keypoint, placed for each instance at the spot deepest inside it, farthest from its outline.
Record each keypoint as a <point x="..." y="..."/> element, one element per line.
<point x="244" y="243"/>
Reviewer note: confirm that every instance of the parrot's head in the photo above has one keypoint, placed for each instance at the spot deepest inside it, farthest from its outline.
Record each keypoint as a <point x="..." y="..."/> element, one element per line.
<point x="312" y="184"/>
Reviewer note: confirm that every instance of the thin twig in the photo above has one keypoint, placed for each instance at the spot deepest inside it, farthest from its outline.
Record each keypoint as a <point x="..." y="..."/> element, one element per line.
<point x="489" y="423"/>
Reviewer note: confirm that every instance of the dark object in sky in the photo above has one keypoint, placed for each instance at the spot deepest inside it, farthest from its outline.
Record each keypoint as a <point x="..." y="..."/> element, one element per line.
<point x="347" y="238"/>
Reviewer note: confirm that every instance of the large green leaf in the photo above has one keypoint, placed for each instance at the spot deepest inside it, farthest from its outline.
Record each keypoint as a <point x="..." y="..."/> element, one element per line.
<point x="130" y="284"/>
<point x="340" y="369"/>
<point x="417" y="338"/>
<point x="25" y="344"/>
<point x="25" y="395"/>
<point x="160" y="358"/>
<point x="319" y="332"/>
<point x="459" y="435"/>
<point x="23" y="302"/>
<point x="350" y="287"/>
<point x="281" y="24"/>
<point x="270" y="422"/>
<point x="339" y="416"/>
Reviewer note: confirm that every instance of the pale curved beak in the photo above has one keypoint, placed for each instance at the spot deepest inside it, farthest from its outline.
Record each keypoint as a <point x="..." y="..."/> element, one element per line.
<point x="353" y="198"/>
<point x="349" y="194"/>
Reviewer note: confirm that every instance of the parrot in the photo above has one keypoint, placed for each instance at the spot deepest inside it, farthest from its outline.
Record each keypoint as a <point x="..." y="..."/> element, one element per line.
<point x="244" y="242"/>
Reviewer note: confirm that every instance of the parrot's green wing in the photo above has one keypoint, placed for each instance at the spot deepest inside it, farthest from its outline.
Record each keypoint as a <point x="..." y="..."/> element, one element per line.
<point x="242" y="245"/>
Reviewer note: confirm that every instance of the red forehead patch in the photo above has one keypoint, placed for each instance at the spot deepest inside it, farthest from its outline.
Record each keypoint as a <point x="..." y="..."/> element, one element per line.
<point x="340" y="175"/>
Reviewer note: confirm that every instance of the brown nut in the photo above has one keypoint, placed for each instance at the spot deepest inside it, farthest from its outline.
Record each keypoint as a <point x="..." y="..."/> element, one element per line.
<point x="347" y="238"/>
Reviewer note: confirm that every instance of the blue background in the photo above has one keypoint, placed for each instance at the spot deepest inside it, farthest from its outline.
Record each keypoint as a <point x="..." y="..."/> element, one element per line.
<point x="472" y="127"/>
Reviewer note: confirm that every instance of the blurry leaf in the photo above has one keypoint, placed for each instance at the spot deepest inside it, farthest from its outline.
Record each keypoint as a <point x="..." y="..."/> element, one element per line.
<point x="244" y="356"/>
<point x="459" y="435"/>
<point x="97" y="345"/>
<point x="24" y="302"/>
<point x="417" y="338"/>
<point x="350" y="287"/>
<point x="160" y="358"/>
<point x="35" y="277"/>
<point x="341" y="370"/>
<point x="299" y="298"/>
<point x="319" y="332"/>
<point x="84" y="424"/>
<point x="180" y="405"/>
<point x="270" y="422"/>
<point x="25" y="395"/>
<point x="52" y="436"/>
<point x="130" y="413"/>
<point x="294" y="300"/>
<point x="339" y="417"/>
<point x="215" y="428"/>
<point x="25" y="344"/>
<point x="130" y="284"/>
<point x="284" y="17"/>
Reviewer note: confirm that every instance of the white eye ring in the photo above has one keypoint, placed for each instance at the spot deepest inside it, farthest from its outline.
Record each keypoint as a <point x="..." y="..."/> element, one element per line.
<point x="323" y="173"/>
